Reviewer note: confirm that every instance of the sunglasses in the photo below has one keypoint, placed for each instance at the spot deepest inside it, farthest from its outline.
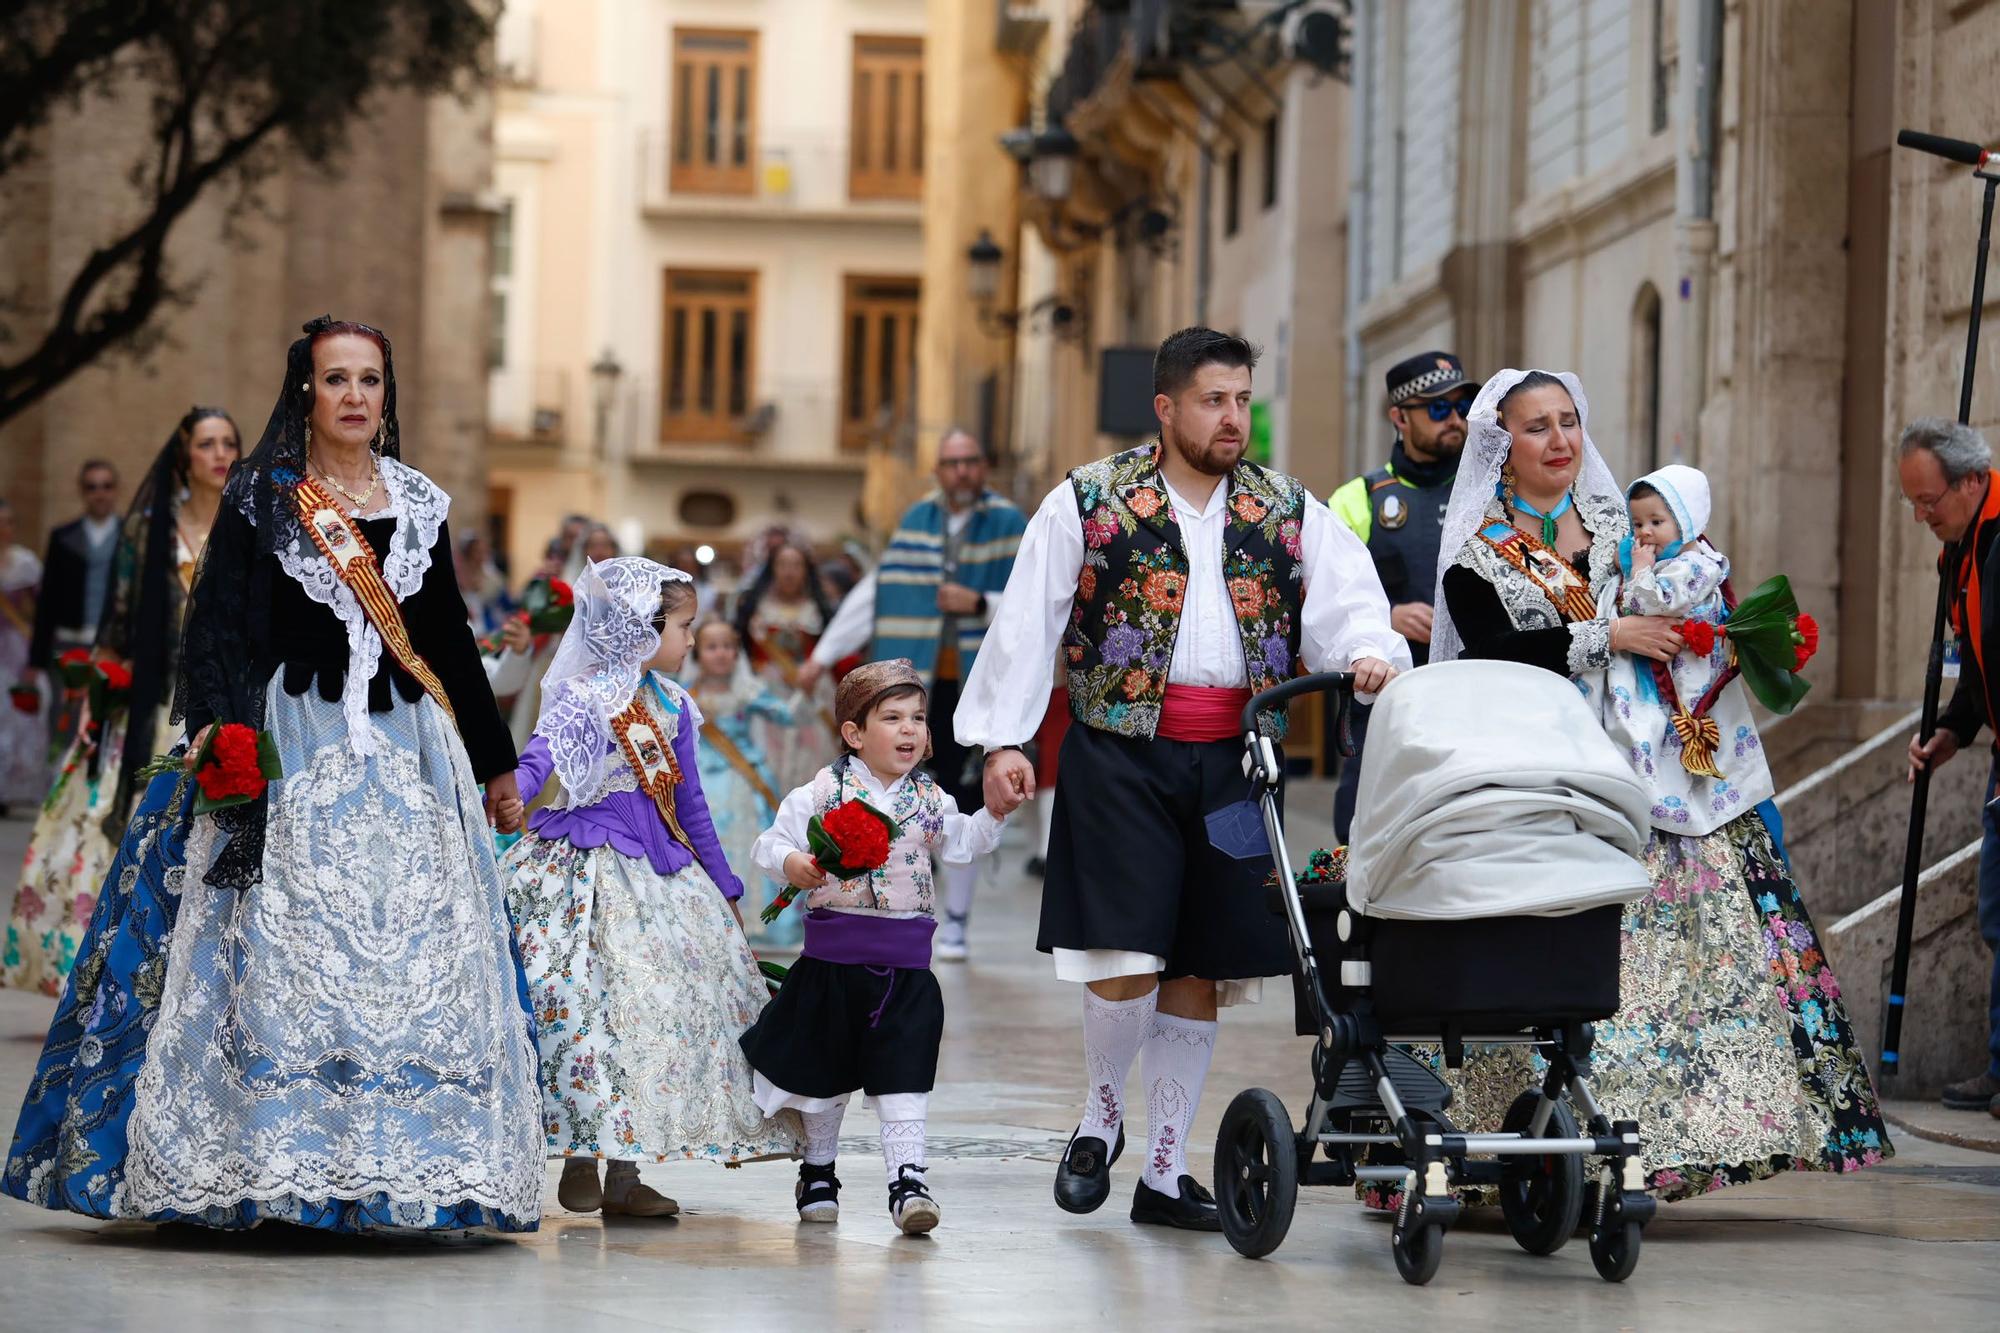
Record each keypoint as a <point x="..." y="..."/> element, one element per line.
<point x="1443" y="409"/>
<point x="100" y="485"/>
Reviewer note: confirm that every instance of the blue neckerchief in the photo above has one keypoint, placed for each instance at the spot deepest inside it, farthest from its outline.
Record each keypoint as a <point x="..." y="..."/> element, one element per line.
<point x="667" y="705"/>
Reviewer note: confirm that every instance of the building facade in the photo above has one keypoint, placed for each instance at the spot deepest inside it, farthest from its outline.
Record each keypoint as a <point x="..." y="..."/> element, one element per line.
<point x="397" y="236"/>
<point x="708" y="288"/>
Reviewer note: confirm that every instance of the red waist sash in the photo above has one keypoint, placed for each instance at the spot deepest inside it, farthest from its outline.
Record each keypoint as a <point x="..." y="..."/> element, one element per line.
<point x="1201" y="713"/>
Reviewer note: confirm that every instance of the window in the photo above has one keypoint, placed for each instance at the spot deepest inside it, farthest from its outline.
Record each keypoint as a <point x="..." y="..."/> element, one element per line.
<point x="500" y="284"/>
<point x="708" y="353"/>
<point x="879" y="358"/>
<point x="1271" y="162"/>
<point x="886" y="151"/>
<point x="1232" y="192"/>
<point x="1646" y="378"/>
<point x="714" y="112"/>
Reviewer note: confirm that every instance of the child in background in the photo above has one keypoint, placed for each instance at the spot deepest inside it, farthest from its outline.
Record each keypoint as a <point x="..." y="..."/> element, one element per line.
<point x="861" y="1009"/>
<point x="624" y="908"/>
<point x="1687" y="729"/>
<point x="742" y="795"/>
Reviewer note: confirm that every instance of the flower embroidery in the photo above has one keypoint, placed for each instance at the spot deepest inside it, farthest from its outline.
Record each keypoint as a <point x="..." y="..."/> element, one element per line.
<point x="1288" y="537"/>
<point x="1246" y="596"/>
<point x="1163" y="591"/>
<point x="1136" y="681"/>
<point x="1248" y="507"/>
<point x="1145" y="502"/>
<point x="1122" y="645"/>
<point x="1086" y="584"/>
<point x="1100" y="528"/>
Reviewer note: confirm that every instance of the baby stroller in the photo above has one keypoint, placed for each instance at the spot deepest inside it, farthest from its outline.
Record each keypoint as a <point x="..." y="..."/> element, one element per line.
<point x="1493" y="852"/>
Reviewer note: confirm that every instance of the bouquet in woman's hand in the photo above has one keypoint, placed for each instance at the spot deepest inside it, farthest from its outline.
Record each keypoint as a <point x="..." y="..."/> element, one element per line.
<point x="847" y="841"/>
<point x="76" y="670"/>
<point x="1771" y="640"/>
<point x="110" y="689"/>
<point x="26" y="698"/>
<point x="548" y="605"/>
<point x="233" y="767"/>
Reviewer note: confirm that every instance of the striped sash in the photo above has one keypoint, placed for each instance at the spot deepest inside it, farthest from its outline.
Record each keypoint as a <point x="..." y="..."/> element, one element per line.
<point x="347" y="551"/>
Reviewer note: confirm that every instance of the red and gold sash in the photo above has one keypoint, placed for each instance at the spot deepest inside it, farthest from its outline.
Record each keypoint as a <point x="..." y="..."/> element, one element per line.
<point x="651" y="756"/>
<point x="1566" y="590"/>
<point x="353" y="561"/>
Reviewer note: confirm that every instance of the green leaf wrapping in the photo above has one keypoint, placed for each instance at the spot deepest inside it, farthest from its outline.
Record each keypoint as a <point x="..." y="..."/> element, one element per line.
<point x="1761" y="630"/>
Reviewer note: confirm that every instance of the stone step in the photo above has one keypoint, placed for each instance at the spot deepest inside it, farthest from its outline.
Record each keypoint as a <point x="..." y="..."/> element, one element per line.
<point x="1944" y="1020"/>
<point x="1961" y="1129"/>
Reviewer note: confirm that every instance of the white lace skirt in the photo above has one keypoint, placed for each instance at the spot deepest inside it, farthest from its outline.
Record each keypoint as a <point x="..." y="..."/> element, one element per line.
<point x="351" y="1028"/>
<point x="641" y="985"/>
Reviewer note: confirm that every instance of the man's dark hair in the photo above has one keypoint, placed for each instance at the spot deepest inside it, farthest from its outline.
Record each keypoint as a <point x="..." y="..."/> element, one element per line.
<point x="1186" y="352"/>
<point x="91" y="465"/>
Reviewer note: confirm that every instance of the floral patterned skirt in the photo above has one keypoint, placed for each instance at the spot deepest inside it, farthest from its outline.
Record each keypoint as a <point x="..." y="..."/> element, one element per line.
<point x="68" y="853"/>
<point x="641" y="985"/>
<point x="1733" y="1049"/>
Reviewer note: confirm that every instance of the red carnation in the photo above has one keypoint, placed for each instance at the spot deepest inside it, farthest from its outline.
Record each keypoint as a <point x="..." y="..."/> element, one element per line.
<point x="859" y="834"/>
<point x="25" y="698"/>
<point x="1699" y="636"/>
<point x="75" y="657"/>
<point x="1805" y="640"/>
<point x="116" y="674"/>
<point x="233" y="766"/>
<point x="561" y="594"/>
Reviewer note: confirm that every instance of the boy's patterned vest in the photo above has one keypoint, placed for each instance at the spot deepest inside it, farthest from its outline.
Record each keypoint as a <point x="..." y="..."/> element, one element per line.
<point x="1126" y="612"/>
<point x="903" y="884"/>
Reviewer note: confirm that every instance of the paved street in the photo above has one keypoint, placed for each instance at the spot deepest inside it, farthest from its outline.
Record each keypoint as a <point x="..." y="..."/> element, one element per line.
<point x="1915" y="1244"/>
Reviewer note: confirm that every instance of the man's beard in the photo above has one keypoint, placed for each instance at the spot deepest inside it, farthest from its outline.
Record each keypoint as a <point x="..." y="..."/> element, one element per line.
<point x="961" y="497"/>
<point x="1212" y="458"/>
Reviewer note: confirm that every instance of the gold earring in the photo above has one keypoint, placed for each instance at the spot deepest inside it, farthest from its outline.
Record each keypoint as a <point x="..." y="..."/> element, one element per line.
<point x="381" y="440"/>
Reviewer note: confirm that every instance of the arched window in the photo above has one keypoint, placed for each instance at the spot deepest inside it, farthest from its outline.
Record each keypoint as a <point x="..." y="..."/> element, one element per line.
<point x="1645" y="378"/>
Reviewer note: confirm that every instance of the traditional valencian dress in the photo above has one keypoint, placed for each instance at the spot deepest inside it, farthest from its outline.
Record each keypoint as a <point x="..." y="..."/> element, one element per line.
<point x="641" y="981"/>
<point x="742" y="792"/>
<point x="342" y="1040"/>
<point x="1168" y="613"/>
<point x="24" y="742"/>
<point x="1732" y="1049"/>
<point x="77" y="832"/>
<point x="779" y="637"/>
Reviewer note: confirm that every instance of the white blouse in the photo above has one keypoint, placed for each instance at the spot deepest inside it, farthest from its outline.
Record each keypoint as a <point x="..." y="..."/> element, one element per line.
<point x="966" y="837"/>
<point x="1345" y="616"/>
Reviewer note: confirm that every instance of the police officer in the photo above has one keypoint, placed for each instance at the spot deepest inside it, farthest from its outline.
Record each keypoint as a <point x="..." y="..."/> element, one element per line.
<point x="1398" y="511"/>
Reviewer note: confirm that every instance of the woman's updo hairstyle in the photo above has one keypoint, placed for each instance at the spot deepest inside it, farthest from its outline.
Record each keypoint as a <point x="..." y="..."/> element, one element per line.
<point x="1534" y="379"/>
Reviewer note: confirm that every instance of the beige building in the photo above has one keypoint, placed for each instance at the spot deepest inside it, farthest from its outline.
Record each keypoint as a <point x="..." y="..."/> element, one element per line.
<point x="397" y="238"/>
<point x="707" y="283"/>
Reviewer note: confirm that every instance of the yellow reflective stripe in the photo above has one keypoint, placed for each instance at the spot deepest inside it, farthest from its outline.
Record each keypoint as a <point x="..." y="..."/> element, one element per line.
<point x="1350" y="504"/>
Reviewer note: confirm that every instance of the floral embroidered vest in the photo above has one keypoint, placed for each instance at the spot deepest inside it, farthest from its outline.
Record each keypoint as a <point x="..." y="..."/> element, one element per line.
<point x="1127" y="609"/>
<point x="903" y="884"/>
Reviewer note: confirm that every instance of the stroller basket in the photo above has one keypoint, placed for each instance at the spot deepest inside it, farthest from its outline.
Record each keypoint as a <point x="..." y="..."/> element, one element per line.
<point x="1361" y="984"/>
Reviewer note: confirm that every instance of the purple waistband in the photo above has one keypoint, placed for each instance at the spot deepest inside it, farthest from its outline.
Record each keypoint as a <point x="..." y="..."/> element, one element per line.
<point x="874" y="941"/>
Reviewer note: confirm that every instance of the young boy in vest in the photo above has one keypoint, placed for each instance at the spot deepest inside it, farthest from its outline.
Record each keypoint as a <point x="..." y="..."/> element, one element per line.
<point x="861" y="1008"/>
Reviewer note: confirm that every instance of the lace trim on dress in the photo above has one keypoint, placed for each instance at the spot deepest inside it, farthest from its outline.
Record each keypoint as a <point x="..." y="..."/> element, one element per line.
<point x="1589" y="646"/>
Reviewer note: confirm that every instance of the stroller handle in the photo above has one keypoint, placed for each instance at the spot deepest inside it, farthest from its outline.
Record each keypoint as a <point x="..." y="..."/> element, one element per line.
<point x="1317" y="683"/>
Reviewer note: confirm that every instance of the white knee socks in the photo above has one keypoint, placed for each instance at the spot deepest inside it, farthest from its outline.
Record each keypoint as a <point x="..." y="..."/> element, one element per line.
<point x="1177" y="1056"/>
<point x="1113" y="1031"/>
<point x="959" y="881"/>
<point x="902" y="1145"/>
<point x="823" y="1133"/>
<point x="1045" y="807"/>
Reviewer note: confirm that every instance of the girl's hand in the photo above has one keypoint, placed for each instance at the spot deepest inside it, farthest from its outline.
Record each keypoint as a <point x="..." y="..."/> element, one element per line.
<point x="1646" y="636"/>
<point x="515" y="635"/>
<point x="199" y="739"/>
<point x="502" y="791"/>
<point x="510" y="815"/>
<point x="802" y="872"/>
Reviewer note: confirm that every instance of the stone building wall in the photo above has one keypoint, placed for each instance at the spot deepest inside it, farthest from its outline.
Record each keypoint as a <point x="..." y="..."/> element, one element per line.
<point x="394" y="237"/>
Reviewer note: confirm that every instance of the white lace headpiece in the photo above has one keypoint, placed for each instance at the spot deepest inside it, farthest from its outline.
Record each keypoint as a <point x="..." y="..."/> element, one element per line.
<point x="1475" y="495"/>
<point x="598" y="666"/>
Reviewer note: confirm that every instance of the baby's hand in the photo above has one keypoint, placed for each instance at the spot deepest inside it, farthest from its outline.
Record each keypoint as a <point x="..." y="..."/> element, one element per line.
<point x="1643" y="556"/>
<point x="802" y="872"/>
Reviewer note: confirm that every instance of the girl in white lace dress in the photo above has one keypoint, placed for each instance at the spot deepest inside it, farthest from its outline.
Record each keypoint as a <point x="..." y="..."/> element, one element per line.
<point x="342" y="1040"/>
<point x="625" y="909"/>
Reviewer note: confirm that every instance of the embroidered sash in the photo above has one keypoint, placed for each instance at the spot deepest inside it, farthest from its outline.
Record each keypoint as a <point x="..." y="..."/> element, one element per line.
<point x="788" y="667"/>
<point x="732" y="754"/>
<point x="1557" y="580"/>
<point x="353" y="561"/>
<point x="651" y="756"/>
<point x="21" y="620"/>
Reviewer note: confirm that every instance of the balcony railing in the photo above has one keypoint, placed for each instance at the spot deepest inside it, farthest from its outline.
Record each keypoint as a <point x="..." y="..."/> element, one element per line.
<point x="796" y="174"/>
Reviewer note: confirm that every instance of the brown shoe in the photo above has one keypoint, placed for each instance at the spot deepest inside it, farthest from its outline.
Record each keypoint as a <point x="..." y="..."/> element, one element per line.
<point x="579" y="1191"/>
<point x="1974" y="1094"/>
<point x="642" y="1200"/>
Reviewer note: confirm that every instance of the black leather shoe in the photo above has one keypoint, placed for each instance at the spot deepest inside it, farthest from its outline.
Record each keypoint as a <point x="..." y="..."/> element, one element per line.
<point x="1194" y="1210"/>
<point x="1083" y="1179"/>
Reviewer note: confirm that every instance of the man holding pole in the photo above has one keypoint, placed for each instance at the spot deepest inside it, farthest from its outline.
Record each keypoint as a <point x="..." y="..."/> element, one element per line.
<point x="1946" y="472"/>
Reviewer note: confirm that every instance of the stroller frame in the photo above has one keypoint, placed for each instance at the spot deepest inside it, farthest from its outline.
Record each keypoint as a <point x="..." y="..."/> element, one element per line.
<point x="1361" y="1079"/>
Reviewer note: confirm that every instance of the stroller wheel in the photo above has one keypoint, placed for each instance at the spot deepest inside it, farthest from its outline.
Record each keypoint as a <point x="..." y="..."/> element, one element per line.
<point x="1418" y="1248"/>
<point x="1256" y="1172"/>
<point x="1615" y="1251"/>
<point x="1541" y="1197"/>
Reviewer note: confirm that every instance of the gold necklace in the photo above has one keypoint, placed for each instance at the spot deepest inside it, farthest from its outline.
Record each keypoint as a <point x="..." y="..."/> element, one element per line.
<point x="360" y="502"/>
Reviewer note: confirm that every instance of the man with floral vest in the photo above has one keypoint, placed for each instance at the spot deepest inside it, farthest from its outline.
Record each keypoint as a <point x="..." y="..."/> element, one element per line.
<point x="1175" y="580"/>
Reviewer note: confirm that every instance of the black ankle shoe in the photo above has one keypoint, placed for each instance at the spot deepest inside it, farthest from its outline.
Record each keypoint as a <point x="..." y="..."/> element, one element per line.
<point x="817" y="1193"/>
<point x="1083" y="1179"/>
<point x="1194" y="1210"/>
<point x="911" y="1207"/>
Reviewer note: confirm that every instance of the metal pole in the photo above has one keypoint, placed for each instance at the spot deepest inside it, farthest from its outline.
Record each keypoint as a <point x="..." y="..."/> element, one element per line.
<point x="1906" y="908"/>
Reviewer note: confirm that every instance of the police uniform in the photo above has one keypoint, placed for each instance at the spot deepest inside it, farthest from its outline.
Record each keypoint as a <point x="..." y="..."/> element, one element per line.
<point x="1398" y="512"/>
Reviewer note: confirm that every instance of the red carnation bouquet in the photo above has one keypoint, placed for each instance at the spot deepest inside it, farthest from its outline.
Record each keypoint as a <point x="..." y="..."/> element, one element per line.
<point x="1771" y="641"/>
<point x="110" y="689"/>
<point x="25" y="698"/>
<point x="233" y="767"/>
<point x="548" y="605"/>
<point x="846" y="842"/>
<point x="75" y="669"/>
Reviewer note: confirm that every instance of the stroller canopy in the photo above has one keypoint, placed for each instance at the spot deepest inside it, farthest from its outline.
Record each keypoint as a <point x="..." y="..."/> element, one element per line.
<point x="1490" y="789"/>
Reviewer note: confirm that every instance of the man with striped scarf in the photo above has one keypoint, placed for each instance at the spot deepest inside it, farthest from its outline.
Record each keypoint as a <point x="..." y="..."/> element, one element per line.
<point x="930" y="600"/>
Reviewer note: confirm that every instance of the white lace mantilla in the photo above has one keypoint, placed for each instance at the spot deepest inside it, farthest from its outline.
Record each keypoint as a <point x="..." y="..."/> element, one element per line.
<point x="419" y="506"/>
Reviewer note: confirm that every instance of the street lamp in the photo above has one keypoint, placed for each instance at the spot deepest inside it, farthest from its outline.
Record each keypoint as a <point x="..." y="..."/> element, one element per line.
<point x="983" y="269"/>
<point x="604" y="376"/>
<point x="1052" y="169"/>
